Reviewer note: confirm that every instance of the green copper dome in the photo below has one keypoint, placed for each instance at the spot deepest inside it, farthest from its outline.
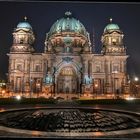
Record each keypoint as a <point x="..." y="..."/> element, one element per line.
<point x="24" y="25"/>
<point x="111" y="26"/>
<point x="67" y="24"/>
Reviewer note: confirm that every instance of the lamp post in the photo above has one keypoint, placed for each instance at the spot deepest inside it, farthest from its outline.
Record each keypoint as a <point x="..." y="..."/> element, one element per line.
<point x="96" y="86"/>
<point x="136" y="79"/>
<point x="3" y="93"/>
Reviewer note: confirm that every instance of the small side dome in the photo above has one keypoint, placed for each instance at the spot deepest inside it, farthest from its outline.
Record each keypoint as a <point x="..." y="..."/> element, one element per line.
<point x="24" y="24"/>
<point x="111" y="26"/>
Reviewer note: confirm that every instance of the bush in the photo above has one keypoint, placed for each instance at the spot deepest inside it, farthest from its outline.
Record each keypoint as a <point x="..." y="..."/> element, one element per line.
<point x="60" y="98"/>
<point x="107" y="101"/>
<point x="74" y="98"/>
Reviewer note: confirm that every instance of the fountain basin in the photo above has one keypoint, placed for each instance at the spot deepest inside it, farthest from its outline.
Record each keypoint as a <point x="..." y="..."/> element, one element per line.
<point x="69" y="122"/>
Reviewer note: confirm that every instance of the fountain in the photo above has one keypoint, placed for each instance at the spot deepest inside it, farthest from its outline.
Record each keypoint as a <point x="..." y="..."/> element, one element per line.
<point x="69" y="122"/>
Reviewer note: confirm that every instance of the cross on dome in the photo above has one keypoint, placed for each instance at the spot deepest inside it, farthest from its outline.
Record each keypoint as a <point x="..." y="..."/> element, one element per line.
<point x="68" y="13"/>
<point x="25" y="18"/>
<point x="110" y="20"/>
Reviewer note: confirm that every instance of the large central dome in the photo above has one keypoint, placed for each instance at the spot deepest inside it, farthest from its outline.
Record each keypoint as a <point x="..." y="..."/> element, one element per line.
<point x="67" y="35"/>
<point x="67" y="24"/>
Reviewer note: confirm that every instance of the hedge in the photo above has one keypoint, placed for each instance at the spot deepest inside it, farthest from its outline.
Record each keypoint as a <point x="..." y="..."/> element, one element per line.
<point x="107" y="101"/>
<point x="9" y="101"/>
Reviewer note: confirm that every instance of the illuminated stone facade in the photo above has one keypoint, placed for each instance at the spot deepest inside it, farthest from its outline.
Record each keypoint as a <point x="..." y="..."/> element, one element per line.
<point x="68" y="66"/>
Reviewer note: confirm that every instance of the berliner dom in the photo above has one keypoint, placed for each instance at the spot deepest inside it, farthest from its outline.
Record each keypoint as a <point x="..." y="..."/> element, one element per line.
<point x="68" y="67"/>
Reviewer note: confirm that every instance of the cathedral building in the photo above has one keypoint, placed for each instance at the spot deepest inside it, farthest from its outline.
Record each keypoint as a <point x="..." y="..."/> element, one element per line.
<point x="68" y="66"/>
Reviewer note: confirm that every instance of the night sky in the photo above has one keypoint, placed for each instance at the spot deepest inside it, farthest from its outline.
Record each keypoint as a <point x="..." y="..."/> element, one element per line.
<point x="94" y="16"/>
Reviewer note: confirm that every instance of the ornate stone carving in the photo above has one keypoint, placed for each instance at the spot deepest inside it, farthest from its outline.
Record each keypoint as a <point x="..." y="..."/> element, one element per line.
<point x="67" y="59"/>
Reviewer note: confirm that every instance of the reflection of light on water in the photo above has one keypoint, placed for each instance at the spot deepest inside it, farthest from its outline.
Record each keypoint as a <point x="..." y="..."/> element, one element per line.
<point x="37" y="106"/>
<point x="2" y="109"/>
<point x="35" y="133"/>
<point x="98" y="133"/>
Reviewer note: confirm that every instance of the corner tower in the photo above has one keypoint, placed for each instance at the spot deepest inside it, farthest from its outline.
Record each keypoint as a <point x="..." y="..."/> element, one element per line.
<point x="114" y="52"/>
<point x="23" y="38"/>
<point x="20" y="57"/>
<point x="112" y="40"/>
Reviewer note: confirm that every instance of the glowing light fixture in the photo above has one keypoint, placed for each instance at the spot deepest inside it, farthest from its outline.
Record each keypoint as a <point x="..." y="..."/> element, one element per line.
<point x="3" y="91"/>
<point x="136" y="78"/>
<point x="96" y="85"/>
<point x="130" y="98"/>
<point x="18" y="97"/>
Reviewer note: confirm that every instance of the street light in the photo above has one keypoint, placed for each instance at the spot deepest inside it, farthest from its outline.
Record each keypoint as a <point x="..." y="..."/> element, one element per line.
<point x="136" y="79"/>
<point x="96" y="86"/>
<point x="18" y="97"/>
<point x="3" y="92"/>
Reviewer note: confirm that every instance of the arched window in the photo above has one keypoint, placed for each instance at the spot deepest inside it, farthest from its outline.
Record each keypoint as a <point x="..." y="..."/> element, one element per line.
<point x="116" y="67"/>
<point x="67" y="49"/>
<point x="98" y="68"/>
<point x="21" y="41"/>
<point x="37" y="68"/>
<point x="67" y="71"/>
<point x="19" y="67"/>
<point x="21" y="38"/>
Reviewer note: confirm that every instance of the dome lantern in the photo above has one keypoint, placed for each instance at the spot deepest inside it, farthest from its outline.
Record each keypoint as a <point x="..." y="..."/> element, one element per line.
<point x="68" y="14"/>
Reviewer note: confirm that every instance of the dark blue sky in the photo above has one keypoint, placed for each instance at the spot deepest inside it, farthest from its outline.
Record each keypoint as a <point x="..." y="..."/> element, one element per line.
<point x="94" y="16"/>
